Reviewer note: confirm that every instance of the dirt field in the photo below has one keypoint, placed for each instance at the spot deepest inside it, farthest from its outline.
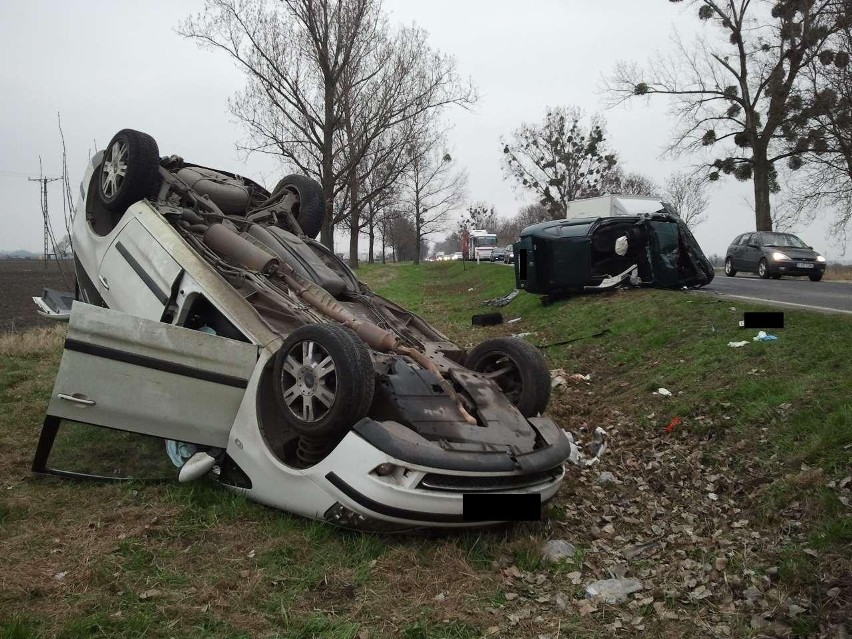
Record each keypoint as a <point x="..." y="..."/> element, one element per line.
<point x="19" y="281"/>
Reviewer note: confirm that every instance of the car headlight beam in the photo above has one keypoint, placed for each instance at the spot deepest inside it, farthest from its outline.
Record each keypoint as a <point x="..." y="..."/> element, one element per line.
<point x="820" y="258"/>
<point x="778" y="256"/>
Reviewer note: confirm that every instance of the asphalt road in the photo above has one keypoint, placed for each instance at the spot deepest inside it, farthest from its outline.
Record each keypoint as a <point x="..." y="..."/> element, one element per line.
<point x="789" y="291"/>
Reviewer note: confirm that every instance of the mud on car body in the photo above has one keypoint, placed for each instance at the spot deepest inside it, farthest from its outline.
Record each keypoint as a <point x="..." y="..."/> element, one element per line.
<point x="206" y="315"/>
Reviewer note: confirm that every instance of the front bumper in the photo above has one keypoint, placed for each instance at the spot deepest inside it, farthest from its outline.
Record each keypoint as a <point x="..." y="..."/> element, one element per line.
<point x="794" y="268"/>
<point x="422" y="496"/>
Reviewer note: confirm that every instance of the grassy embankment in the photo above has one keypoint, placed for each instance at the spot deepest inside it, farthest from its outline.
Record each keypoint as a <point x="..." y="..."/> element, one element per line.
<point x="769" y="426"/>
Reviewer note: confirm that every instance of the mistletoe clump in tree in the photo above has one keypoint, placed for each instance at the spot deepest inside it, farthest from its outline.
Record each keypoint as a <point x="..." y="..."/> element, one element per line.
<point x="739" y="93"/>
<point x="559" y="160"/>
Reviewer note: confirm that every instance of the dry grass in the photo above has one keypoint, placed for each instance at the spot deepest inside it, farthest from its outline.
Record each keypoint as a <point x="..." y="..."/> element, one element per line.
<point x="838" y="272"/>
<point x="32" y="341"/>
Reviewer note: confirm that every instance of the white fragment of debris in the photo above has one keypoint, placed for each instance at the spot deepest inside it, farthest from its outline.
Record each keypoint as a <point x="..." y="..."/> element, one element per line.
<point x="621" y="246"/>
<point x="613" y="591"/>
<point x="557" y="550"/>
<point x="514" y="321"/>
<point x="557" y="381"/>
<point x="579" y="377"/>
<point x="737" y="344"/>
<point x="606" y="477"/>
<point x="60" y="576"/>
<point x="663" y="391"/>
<point x="522" y="335"/>
<point x="440" y="596"/>
<point x="596" y="448"/>
<point x="470" y="290"/>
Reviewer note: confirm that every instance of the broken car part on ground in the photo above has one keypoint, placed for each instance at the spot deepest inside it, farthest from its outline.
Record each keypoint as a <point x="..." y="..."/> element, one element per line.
<point x="563" y="256"/>
<point x="207" y="316"/>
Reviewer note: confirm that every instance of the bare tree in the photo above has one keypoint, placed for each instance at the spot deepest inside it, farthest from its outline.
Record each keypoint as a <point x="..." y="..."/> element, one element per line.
<point x="735" y="93"/>
<point x="687" y="193"/>
<point x="559" y="160"/>
<point x="327" y="81"/>
<point x="479" y="215"/>
<point x="617" y="182"/>
<point x="432" y="188"/>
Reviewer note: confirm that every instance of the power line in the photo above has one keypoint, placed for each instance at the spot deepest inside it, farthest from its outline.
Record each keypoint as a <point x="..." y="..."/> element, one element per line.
<point x="49" y="238"/>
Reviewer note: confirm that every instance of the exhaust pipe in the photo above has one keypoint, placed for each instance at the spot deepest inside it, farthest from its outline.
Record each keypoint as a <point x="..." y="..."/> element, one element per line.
<point x="231" y="246"/>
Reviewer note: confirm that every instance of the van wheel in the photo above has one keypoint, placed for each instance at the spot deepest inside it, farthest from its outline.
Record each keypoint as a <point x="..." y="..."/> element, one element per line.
<point x="324" y="380"/>
<point x="730" y="271"/>
<point x="518" y="368"/>
<point x="310" y="211"/>
<point x="763" y="269"/>
<point x="129" y="170"/>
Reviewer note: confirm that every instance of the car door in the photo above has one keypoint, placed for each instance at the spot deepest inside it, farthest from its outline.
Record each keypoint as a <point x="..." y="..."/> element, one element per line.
<point x="752" y="252"/>
<point x="741" y="260"/>
<point x="137" y="274"/>
<point x="734" y="251"/>
<point x="141" y="376"/>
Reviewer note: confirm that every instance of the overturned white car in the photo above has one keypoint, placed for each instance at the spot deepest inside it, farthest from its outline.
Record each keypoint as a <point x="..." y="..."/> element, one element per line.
<point x="207" y="316"/>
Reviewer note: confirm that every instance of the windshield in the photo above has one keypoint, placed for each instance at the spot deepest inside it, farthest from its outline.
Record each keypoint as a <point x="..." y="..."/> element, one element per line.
<point x="782" y="239"/>
<point x="485" y="240"/>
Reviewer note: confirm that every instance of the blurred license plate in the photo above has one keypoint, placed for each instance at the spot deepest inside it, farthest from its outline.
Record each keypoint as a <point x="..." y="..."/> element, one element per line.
<point x="804" y="265"/>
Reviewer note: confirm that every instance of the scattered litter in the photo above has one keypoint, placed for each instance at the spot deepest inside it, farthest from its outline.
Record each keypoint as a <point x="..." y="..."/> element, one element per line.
<point x="557" y="381"/>
<point x="737" y="344"/>
<point x="762" y="336"/>
<point x="575" y="339"/>
<point x="501" y="301"/>
<point x="673" y="424"/>
<point x="557" y="550"/>
<point x="631" y="552"/>
<point x="606" y="477"/>
<point x="150" y="594"/>
<point x="663" y="391"/>
<point x="60" y="576"/>
<point x="613" y="591"/>
<point x="440" y="596"/>
<point x="470" y="290"/>
<point x="596" y="448"/>
<point x="514" y="320"/>
<point x="579" y="377"/>
<point x="522" y="335"/>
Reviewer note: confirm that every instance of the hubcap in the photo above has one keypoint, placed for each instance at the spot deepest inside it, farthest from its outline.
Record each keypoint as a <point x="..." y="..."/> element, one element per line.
<point x="762" y="268"/>
<point x="728" y="266"/>
<point x="115" y="168"/>
<point x="309" y="381"/>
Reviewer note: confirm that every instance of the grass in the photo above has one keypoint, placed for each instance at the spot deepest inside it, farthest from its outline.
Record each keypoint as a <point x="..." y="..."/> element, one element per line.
<point x="83" y="559"/>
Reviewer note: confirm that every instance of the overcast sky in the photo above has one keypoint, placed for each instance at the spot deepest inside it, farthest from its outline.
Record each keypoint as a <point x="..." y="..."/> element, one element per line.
<point x="110" y="65"/>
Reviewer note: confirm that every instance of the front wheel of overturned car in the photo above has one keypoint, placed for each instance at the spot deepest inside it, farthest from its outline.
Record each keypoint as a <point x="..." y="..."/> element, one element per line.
<point x="763" y="269"/>
<point x="310" y="211"/>
<point x="324" y="380"/>
<point x="129" y="170"/>
<point x="518" y="368"/>
<point x="730" y="271"/>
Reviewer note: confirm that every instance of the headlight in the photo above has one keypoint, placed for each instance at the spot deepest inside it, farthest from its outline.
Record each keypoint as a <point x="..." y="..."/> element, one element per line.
<point x="820" y="258"/>
<point x="779" y="256"/>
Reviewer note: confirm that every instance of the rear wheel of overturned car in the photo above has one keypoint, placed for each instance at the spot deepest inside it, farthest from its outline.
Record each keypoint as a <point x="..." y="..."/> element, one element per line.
<point x="730" y="271"/>
<point x="324" y="382"/>
<point x="518" y="368"/>
<point x="763" y="269"/>
<point x="310" y="211"/>
<point x="129" y="170"/>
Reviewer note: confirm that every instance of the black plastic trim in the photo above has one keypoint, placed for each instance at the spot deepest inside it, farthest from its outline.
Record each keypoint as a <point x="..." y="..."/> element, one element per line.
<point x="159" y="293"/>
<point x="390" y="511"/>
<point x="157" y="364"/>
<point x="432" y="457"/>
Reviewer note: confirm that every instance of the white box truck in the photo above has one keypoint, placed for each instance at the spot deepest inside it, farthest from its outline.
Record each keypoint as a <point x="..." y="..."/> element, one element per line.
<point x="613" y="206"/>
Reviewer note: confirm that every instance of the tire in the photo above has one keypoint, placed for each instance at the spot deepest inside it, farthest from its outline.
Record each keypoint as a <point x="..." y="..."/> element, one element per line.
<point x="135" y="153"/>
<point x="323" y="405"/>
<point x="776" y="276"/>
<point x="816" y="277"/>
<point x="763" y="269"/>
<point x="527" y="382"/>
<point x="730" y="271"/>
<point x="311" y="209"/>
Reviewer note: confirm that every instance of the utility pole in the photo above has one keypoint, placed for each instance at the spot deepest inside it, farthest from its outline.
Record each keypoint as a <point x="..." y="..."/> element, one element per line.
<point x="49" y="240"/>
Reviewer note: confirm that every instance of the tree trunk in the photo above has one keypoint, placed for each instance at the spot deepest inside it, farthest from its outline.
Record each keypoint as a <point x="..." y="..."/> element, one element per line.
<point x="355" y="221"/>
<point x="372" y="236"/>
<point x="327" y="178"/>
<point x="760" y="175"/>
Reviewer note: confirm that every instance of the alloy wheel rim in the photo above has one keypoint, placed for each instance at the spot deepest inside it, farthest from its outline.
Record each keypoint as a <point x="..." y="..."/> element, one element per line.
<point x="309" y="381"/>
<point x="115" y="168"/>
